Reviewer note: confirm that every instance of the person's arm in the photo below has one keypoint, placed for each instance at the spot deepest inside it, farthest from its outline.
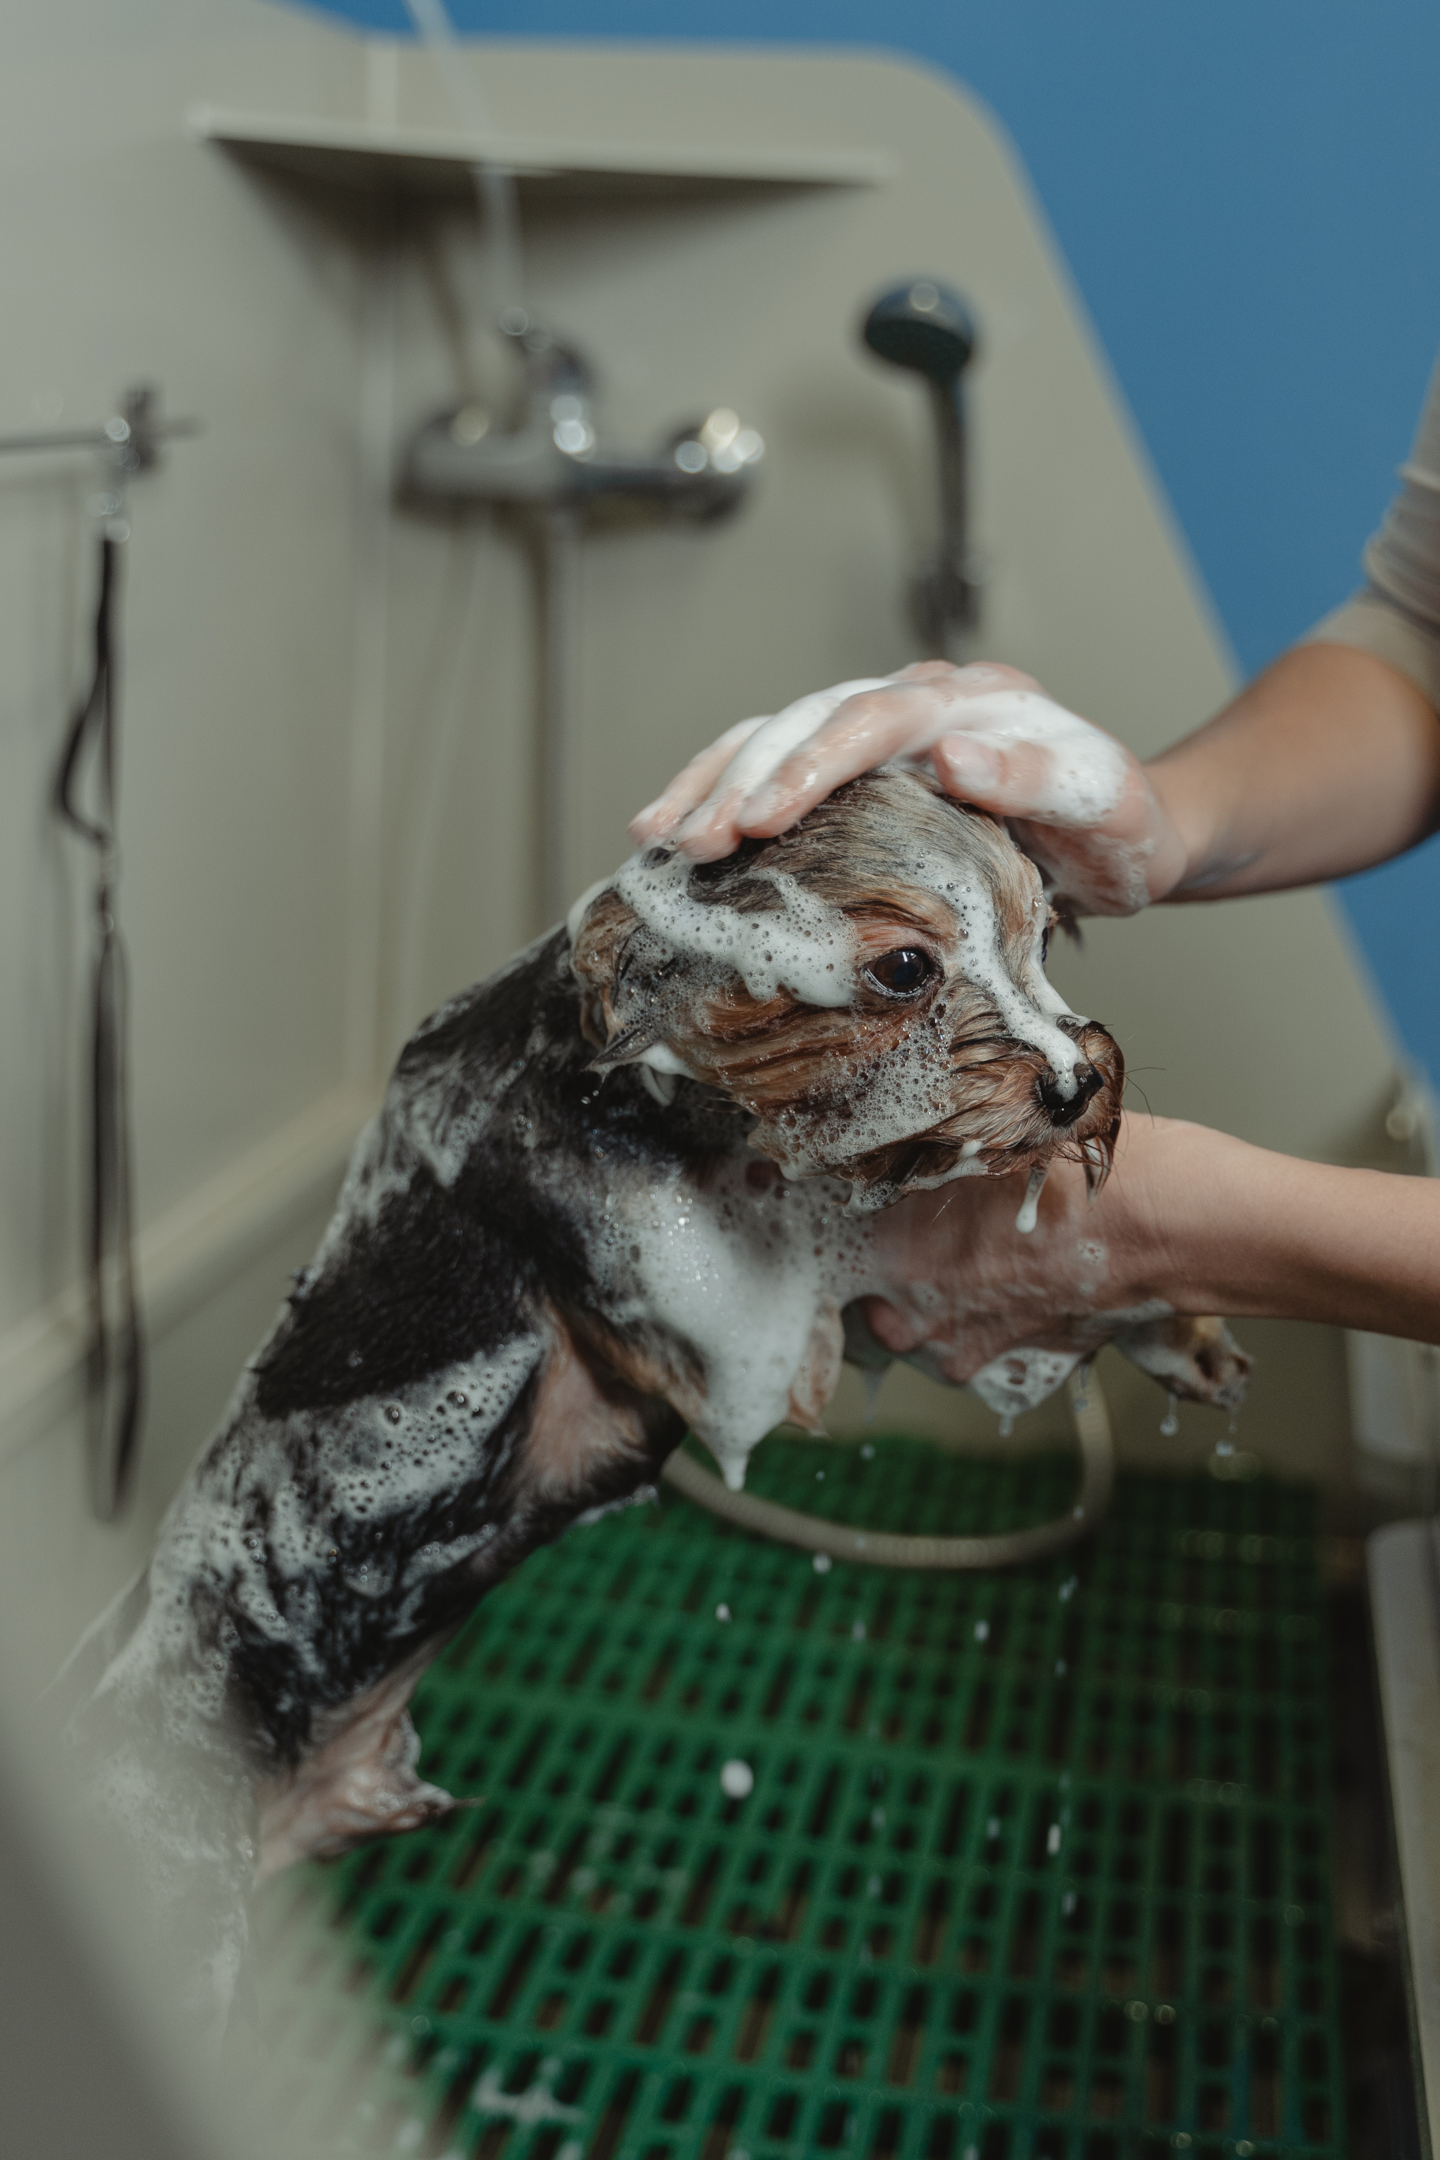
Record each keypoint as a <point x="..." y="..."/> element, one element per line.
<point x="1193" y="1218"/>
<point x="1330" y="760"/>
<point x="1327" y="763"/>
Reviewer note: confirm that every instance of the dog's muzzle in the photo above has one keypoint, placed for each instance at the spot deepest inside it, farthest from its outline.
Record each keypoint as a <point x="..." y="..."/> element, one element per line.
<point x="1064" y="1110"/>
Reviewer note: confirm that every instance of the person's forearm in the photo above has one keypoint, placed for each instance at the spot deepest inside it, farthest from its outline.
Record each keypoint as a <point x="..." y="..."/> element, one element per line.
<point x="1325" y="764"/>
<point x="1190" y="1222"/>
<point x="1213" y="1225"/>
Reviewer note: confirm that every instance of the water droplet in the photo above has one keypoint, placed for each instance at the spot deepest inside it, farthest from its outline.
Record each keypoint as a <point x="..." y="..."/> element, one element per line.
<point x="821" y="1563"/>
<point x="1170" y="1423"/>
<point x="737" y="1780"/>
<point x="722" y="1612"/>
<point x="394" y="1412"/>
<point x="458" y="1397"/>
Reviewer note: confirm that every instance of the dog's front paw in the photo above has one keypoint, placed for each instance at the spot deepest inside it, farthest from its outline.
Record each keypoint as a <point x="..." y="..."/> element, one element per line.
<point x="1197" y="1359"/>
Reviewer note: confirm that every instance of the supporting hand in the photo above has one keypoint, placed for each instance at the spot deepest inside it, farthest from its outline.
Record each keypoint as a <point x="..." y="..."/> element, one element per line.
<point x="1191" y="1220"/>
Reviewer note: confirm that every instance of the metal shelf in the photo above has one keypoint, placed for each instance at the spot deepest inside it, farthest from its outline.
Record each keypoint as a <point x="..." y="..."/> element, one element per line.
<point x="432" y="161"/>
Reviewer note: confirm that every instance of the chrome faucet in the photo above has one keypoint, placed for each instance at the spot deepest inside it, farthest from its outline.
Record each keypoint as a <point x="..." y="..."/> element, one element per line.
<point x="553" y="457"/>
<point x="550" y="470"/>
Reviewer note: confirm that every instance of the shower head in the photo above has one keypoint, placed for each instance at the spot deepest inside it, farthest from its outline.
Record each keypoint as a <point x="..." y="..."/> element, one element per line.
<point x="924" y="326"/>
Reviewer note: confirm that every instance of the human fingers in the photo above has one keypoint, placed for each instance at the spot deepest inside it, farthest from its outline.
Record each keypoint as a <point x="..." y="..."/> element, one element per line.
<point x="761" y="776"/>
<point x="690" y="786"/>
<point x="891" y="721"/>
<point x="974" y="679"/>
<point x="899" y="717"/>
<point x="713" y="829"/>
<point x="1018" y="754"/>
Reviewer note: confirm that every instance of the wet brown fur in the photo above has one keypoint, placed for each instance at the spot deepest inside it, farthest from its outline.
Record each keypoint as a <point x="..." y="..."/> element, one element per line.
<point x="799" y="1068"/>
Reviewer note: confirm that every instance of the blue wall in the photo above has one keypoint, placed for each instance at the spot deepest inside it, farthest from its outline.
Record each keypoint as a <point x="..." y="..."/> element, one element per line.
<point x="1248" y="193"/>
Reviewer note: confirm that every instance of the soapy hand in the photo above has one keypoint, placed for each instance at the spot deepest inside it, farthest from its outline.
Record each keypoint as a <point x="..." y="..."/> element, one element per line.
<point x="965" y="1288"/>
<point x="1075" y="799"/>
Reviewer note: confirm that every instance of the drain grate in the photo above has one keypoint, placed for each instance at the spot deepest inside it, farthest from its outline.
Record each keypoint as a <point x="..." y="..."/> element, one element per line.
<point x="1034" y="1866"/>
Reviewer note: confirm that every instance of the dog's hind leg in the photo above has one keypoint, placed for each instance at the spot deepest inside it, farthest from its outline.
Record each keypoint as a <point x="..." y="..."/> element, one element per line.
<point x="358" y="1782"/>
<point x="588" y="1443"/>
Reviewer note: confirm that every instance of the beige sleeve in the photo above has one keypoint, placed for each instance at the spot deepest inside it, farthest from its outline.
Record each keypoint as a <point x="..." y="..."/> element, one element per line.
<point x="1396" y="613"/>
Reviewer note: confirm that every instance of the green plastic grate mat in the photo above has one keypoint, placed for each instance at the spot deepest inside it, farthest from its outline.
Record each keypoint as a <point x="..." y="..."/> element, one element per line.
<point x="1034" y="1866"/>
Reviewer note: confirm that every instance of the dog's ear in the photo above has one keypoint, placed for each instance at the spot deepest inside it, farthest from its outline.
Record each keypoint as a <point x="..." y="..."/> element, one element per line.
<point x="1064" y="919"/>
<point x="597" y="932"/>
<point x="631" y="1043"/>
<point x="633" y="987"/>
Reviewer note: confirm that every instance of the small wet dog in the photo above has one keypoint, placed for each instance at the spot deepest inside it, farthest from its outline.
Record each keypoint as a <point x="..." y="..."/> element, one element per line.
<point x="623" y="1187"/>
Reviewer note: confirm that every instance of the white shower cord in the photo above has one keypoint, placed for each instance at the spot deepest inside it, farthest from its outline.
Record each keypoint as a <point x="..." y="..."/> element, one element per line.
<point x="889" y="1548"/>
<point x="494" y="184"/>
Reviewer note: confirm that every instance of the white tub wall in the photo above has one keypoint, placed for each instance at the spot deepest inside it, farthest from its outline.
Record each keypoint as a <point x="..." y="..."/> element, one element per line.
<point x="58" y="1565"/>
<point x="290" y="644"/>
<point x="128" y="253"/>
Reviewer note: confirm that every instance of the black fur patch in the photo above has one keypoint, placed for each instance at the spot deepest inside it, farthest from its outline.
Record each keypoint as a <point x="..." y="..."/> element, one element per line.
<point x="449" y="1272"/>
<point x="445" y="1274"/>
<point x="339" y="1644"/>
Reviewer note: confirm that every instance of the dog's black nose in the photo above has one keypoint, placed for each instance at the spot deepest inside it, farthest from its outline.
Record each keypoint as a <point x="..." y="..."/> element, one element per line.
<point x="1064" y="1109"/>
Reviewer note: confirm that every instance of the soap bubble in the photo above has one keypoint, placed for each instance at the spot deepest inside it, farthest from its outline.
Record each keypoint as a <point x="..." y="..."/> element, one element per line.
<point x="737" y="1780"/>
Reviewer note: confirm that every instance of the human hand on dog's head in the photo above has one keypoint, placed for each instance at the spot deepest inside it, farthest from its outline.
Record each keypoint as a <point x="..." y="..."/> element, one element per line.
<point x="869" y="986"/>
<point x="1076" y="800"/>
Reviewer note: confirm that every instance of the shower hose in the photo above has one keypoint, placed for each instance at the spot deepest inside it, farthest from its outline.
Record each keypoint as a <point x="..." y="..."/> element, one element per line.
<point x="888" y="1548"/>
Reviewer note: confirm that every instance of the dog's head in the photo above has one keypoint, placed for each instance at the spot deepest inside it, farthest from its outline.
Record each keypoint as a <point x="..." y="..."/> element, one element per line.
<point x="870" y="986"/>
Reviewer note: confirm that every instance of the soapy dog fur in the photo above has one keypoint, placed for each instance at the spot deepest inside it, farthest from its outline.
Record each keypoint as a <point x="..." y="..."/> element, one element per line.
<point x="884" y="852"/>
<point x="611" y="1193"/>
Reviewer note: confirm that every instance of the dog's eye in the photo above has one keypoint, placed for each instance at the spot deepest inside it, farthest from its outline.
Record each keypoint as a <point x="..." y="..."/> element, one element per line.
<point x="901" y="973"/>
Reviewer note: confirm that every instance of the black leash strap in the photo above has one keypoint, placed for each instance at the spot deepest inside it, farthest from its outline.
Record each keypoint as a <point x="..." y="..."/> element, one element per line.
<point x="115" y="1358"/>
